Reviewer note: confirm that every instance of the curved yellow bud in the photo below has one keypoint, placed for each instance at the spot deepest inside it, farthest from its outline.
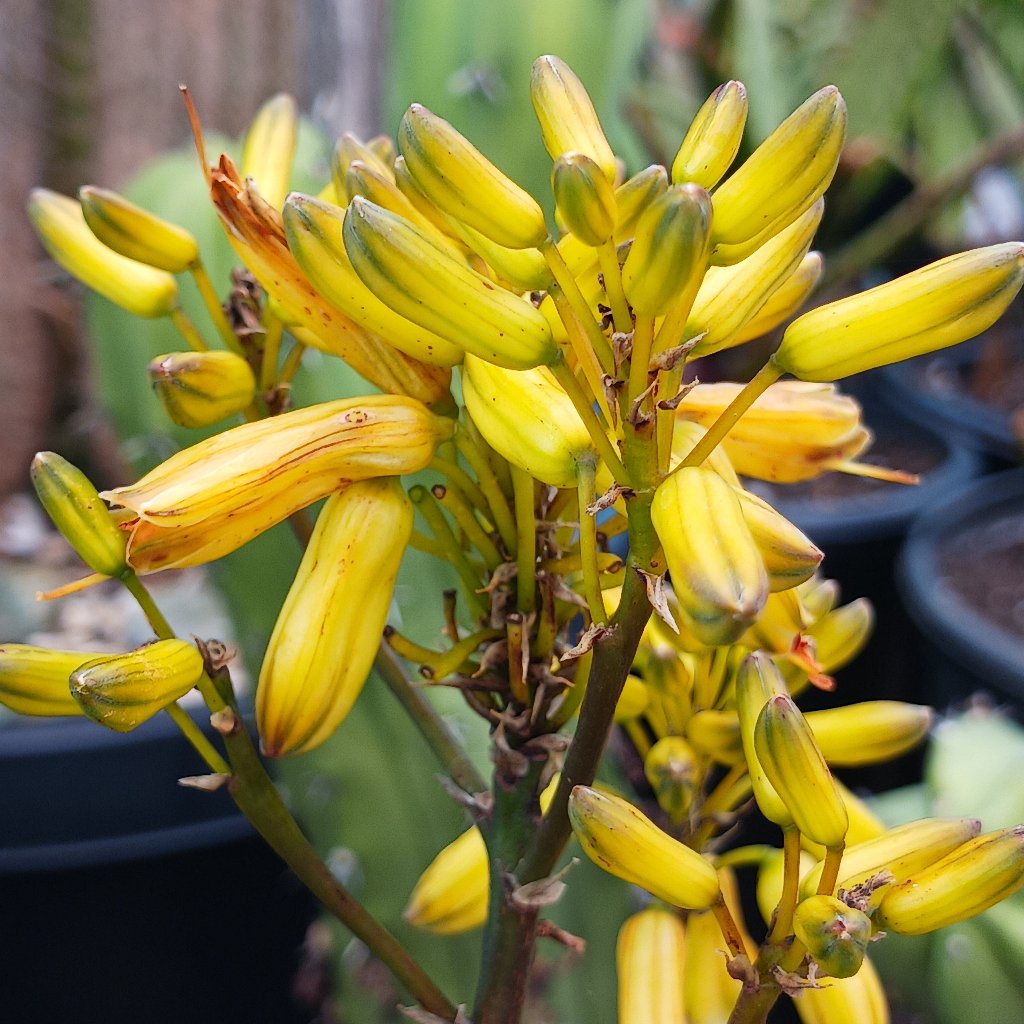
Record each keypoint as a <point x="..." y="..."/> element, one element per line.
<point x="136" y="233"/>
<point x="60" y="224"/>
<point x="457" y="178"/>
<point x="124" y="690"/>
<point x="627" y="844"/>
<point x="329" y="628"/>
<point x="450" y="896"/>
<point x="940" y="305"/>
<point x="34" y="680"/>
<point x="869" y="732"/>
<point x="568" y="121"/>
<point x="525" y="416"/>
<point x="713" y="138"/>
<point x="649" y="964"/>
<point x="269" y="147"/>
<point x="200" y="388"/>
<point x="786" y="300"/>
<point x="790" y="558"/>
<point x="584" y="198"/>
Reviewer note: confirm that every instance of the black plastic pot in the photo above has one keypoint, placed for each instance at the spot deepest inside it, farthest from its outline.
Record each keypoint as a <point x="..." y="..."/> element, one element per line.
<point x="126" y="897"/>
<point x="968" y="649"/>
<point x="931" y="391"/>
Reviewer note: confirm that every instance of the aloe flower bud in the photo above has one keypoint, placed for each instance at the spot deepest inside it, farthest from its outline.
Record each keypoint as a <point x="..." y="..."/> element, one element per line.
<point x="328" y="630"/>
<point x="568" y="121"/>
<point x="136" y="233"/>
<point x="857" y="1000"/>
<point x="60" y="224"/>
<point x="790" y="558"/>
<point x="649" y="961"/>
<point x="797" y="771"/>
<point x="870" y="732"/>
<point x="669" y="252"/>
<point x="672" y="770"/>
<point x="970" y="879"/>
<point x="451" y="894"/>
<point x="269" y="148"/>
<point x="717" y="571"/>
<point x="78" y="511"/>
<point x="625" y="843"/>
<point x="197" y="389"/>
<point x="525" y="416"/>
<point x="584" y="198"/>
<point x="124" y="690"/>
<point x="713" y="138"/>
<point x="785" y="300"/>
<point x="940" y="305"/>
<point x="836" y="936"/>
<point x="34" y="680"/>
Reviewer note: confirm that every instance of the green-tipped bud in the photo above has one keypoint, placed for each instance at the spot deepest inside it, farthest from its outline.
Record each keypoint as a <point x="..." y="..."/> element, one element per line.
<point x="584" y="198"/>
<point x="568" y="121"/>
<point x="124" y="690"/>
<point x="974" y="877"/>
<point x="200" y="388"/>
<point x="940" y="305"/>
<point x="716" y="569"/>
<point x="34" y="680"/>
<point x="79" y="513"/>
<point x="798" y="773"/>
<point x="781" y="179"/>
<point x="346" y="150"/>
<point x="713" y="138"/>
<point x="635" y="195"/>
<point x="757" y="680"/>
<point x="454" y="175"/>
<point x="669" y="252"/>
<point x="269" y="148"/>
<point x="836" y="936"/>
<point x="60" y="224"/>
<point x="673" y="773"/>
<point x="627" y="844"/>
<point x="136" y="233"/>
<point x="789" y="556"/>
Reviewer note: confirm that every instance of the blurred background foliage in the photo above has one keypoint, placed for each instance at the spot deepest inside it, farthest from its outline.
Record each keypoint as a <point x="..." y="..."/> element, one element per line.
<point x="936" y="95"/>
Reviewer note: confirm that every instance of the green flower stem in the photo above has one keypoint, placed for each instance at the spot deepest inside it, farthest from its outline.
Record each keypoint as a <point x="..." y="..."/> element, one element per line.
<point x="500" y="512"/>
<point x="588" y="542"/>
<point x="612" y="273"/>
<point x="571" y="290"/>
<point x="291" y="365"/>
<point x="728" y="927"/>
<point x="782" y="926"/>
<point x="526" y="540"/>
<point x="670" y="383"/>
<point x="429" y="546"/>
<point x="259" y="801"/>
<point x="640" y="360"/>
<point x="452" y="500"/>
<point x="830" y="870"/>
<point x="581" y="347"/>
<point x="564" y="375"/>
<point x="753" y="1007"/>
<point x="154" y="616"/>
<point x="767" y="375"/>
<point x="458" y="478"/>
<point x="432" y="727"/>
<point x="196" y="737"/>
<point x="271" y="351"/>
<point x="188" y="330"/>
<point x="214" y="308"/>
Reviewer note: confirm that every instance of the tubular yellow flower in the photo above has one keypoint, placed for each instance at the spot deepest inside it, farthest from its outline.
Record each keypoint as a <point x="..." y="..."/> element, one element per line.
<point x="713" y="138"/>
<point x="568" y="121"/>
<point x="793" y="763"/>
<point x="781" y="179"/>
<point x="857" y="1000"/>
<point x="785" y="300"/>
<point x="794" y="431"/>
<point x="454" y="175"/>
<point x="870" y="732"/>
<point x="269" y="147"/>
<point x="649" y="964"/>
<point x="200" y="388"/>
<point x="627" y="844"/>
<point x="136" y="233"/>
<point x="975" y="876"/>
<point x="940" y="305"/>
<point x="717" y="571"/>
<point x="124" y="690"/>
<point x="527" y="417"/>
<point x="327" y="633"/>
<point x="77" y="510"/>
<point x="60" y="224"/>
<point x="34" y="680"/>
<point x="403" y="266"/>
<point x="789" y="556"/>
<point x="451" y="894"/>
<point x="256" y="233"/>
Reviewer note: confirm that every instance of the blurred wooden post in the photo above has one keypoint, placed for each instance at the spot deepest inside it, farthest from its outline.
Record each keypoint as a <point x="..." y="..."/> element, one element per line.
<point x="88" y="93"/>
